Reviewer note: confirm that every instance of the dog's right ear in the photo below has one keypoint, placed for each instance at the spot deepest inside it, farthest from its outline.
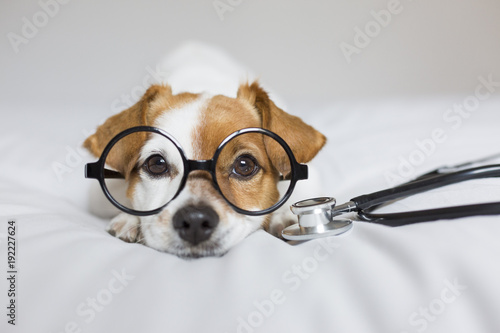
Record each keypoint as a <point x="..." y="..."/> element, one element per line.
<point x="122" y="158"/>
<point x="302" y="138"/>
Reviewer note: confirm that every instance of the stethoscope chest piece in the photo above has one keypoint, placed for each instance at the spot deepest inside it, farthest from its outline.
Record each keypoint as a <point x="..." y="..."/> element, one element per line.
<point x="315" y="220"/>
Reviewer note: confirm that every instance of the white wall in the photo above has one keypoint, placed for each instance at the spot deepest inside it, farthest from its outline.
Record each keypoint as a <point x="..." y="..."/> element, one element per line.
<point x="93" y="50"/>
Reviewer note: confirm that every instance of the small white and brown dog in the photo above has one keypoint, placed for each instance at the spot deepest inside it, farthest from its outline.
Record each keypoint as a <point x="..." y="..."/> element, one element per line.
<point x="200" y="122"/>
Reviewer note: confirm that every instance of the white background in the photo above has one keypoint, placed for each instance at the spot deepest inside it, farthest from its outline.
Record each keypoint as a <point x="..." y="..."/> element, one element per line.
<point x="92" y="51"/>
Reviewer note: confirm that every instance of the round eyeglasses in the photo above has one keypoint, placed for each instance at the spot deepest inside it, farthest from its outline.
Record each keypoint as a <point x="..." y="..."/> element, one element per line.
<point x="244" y="169"/>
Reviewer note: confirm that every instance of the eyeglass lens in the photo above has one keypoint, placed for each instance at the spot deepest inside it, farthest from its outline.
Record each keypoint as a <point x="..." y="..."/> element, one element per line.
<point x="153" y="169"/>
<point x="247" y="172"/>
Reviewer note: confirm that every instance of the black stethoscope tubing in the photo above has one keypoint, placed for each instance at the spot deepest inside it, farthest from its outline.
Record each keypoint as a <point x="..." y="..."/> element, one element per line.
<point x="366" y="204"/>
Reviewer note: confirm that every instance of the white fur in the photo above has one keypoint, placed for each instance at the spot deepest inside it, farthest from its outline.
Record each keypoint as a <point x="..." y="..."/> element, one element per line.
<point x="179" y="123"/>
<point x="125" y="227"/>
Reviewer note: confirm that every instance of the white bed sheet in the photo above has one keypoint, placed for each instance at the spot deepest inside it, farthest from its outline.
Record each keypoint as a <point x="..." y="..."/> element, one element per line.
<point x="437" y="277"/>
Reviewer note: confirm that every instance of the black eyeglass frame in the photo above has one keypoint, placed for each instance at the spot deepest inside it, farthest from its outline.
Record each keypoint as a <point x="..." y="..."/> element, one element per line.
<point x="97" y="170"/>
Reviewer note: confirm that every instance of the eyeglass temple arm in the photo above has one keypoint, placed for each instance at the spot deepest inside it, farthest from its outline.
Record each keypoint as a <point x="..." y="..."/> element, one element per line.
<point x="92" y="171"/>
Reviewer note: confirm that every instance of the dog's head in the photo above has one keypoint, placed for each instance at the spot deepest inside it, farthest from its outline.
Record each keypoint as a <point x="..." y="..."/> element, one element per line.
<point x="199" y="222"/>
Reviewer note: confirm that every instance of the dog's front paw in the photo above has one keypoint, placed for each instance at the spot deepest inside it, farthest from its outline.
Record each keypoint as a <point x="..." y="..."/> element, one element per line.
<point x="126" y="227"/>
<point x="279" y="221"/>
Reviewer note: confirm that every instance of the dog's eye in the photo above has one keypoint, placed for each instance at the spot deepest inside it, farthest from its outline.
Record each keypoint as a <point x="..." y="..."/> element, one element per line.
<point x="156" y="165"/>
<point x="245" y="166"/>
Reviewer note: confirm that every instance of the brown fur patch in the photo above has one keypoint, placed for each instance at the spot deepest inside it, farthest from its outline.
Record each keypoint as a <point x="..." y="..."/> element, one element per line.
<point x="221" y="117"/>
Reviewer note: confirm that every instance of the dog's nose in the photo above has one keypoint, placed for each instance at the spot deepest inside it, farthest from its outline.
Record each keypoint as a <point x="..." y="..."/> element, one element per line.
<point x="195" y="223"/>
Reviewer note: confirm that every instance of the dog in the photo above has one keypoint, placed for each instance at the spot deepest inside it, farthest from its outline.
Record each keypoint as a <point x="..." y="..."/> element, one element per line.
<point x="200" y="122"/>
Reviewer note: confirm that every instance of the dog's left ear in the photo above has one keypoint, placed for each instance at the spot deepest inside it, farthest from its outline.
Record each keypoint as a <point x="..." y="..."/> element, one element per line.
<point x="303" y="139"/>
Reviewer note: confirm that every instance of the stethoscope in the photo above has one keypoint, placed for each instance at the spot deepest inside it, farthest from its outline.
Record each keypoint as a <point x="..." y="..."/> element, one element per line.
<point x="321" y="217"/>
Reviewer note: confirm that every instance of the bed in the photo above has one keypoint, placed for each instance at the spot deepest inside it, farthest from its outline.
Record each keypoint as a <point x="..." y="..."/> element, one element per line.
<point x="72" y="276"/>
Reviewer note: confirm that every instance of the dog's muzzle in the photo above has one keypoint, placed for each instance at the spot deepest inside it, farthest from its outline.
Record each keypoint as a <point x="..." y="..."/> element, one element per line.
<point x="195" y="224"/>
